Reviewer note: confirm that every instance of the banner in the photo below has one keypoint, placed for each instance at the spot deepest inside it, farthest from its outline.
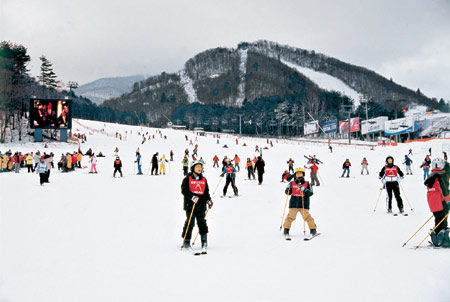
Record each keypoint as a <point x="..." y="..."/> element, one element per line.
<point x="399" y="126"/>
<point x="373" y="125"/>
<point x="330" y="127"/>
<point x="354" y="122"/>
<point x="343" y="127"/>
<point x="311" y="127"/>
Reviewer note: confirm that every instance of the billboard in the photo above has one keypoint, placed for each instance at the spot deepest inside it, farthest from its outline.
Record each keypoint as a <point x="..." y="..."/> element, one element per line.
<point x="432" y="124"/>
<point x="311" y="127"/>
<point x="330" y="127"/>
<point x="399" y="126"/>
<point x="343" y="127"/>
<point x="354" y="124"/>
<point x="373" y="125"/>
<point x="50" y="113"/>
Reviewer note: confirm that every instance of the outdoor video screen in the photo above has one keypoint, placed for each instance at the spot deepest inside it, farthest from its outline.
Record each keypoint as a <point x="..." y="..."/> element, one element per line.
<point x="50" y="114"/>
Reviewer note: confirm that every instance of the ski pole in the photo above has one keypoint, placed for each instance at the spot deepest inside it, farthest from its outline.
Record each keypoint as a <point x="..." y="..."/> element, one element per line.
<point x="303" y="214"/>
<point x="217" y="185"/>
<point x="405" y="196"/>
<point x="187" y="228"/>
<point x="432" y="231"/>
<point x="284" y="211"/>
<point x="199" y="230"/>
<point x="378" y="199"/>
<point x="418" y="230"/>
<point x="320" y="178"/>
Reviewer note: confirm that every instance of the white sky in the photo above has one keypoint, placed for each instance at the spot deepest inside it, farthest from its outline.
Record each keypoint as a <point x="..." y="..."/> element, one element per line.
<point x="89" y="39"/>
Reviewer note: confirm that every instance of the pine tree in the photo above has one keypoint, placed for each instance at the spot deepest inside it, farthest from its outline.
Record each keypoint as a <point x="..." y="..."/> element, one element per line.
<point x="47" y="77"/>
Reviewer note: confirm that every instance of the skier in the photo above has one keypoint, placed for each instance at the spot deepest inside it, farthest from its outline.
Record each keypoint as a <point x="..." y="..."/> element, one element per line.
<point x="171" y="155"/>
<point x="195" y="191"/>
<point x="290" y="162"/>
<point x="428" y="160"/>
<point x="138" y="161"/>
<point x="259" y="166"/>
<point x="216" y="161"/>
<point x="346" y="166"/>
<point x="284" y="176"/>
<point x="117" y="166"/>
<point x="314" y="170"/>
<point x="410" y="152"/>
<point x="29" y="160"/>
<point x="185" y="163"/>
<point x="249" y="167"/>
<point x="93" y="162"/>
<point x="390" y="176"/>
<point x="230" y="177"/>
<point x="408" y="163"/>
<point x="426" y="168"/>
<point x="300" y="192"/>
<point x="236" y="162"/>
<point x="155" y="163"/>
<point x="438" y="196"/>
<point x="162" y="164"/>
<point x="364" y="165"/>
<point x="42" y="169"/>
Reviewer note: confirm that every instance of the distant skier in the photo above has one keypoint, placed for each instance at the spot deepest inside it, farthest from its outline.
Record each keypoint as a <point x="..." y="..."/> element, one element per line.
<point x="216" y="161"/>
<point x="195" y="191"/>
<point x="171" y="155"/>
<point x="408" y="161"/>
<point x="117" y="167"/>
<point x="300" y="192"/>
<point x="155" y="163"/>
<point x="162" y="164"/>
<point x="346" y="168"/>
<point x="290" y="163"/>
<point x="390" y="176"/>
<point x="185" y="163"/>
<point x="426" y="168"/>
<point x="230" y="176"/>
<point x="284" y="176"/>
<point x="314" y="170"/>
<point x="138" y="161"/>
<point x="236" y="162"/>
<point x="259" y="167"/>
<point x="364" y="165"/>
<point x="93" y="161"/>
<point x="438" y="196"/>
<point x="250" y="170"/>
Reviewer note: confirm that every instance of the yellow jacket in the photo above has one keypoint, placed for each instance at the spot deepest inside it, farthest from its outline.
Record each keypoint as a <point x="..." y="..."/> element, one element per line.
<point x="29" y="160"/>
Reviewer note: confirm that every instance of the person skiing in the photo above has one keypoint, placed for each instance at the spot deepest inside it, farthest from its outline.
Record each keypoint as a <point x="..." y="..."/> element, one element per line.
<point x="364" y="165"/>
<point x="249" y="167"/>
<point x="117" y="166"/>
<point x="185" y="163"/>
<point x="196" y="195"/>
<point x="230" y="177"/>
<point x="290" y="162"/>
<point x="408" y="161"/>
<point x="390" y="176"/>
<point x="236" y="162"/>
<point x="346" y="168"/>
<point x="259" y="166"/>
<point x="284" y="176"/>
<point x="426" y="168"/>
<point x="300" y="192"/>
<point x="216" y="161"/>
<point x="29" y="160"/>
<point x="171" y="155"/>
<point x="162" y="164"/>
<point x="410" y="152"/>
<point x="314" y="170"/>
<point x="138" y="161"/>
<point x="42" y="169"/>
<point x="438" y="197"/>
<point x="428" y="160"/>
<point x="93" y="161"/>
<point x="155" y="163"/>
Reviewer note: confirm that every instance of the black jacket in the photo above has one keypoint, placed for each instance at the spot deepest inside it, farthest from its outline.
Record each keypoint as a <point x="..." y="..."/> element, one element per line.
<point x="297" y="201"/>
<point x="155" y="160"/>
<point x="383" y="172"/>
<point x="188" y="203"/>
<point x="259" y="165"/>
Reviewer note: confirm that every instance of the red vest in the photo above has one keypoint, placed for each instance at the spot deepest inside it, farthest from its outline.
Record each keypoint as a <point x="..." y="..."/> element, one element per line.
<point x="117" y="161"/>
<point x="364" y="162"/>
<point x="197" y="186"/>
<point x="249" y="164"/>
<point x="229" y="169"/>
<point x="425" y="167"/>
<point x="347" y="164"/>
<point x="390" y="172"/>
<point x="296" y="189"/>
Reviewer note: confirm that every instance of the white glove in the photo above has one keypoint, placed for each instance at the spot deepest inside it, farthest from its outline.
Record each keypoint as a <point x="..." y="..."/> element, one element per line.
<point x="195" y="199"/>
<point x="302" y="188"/>
<point x="383" y="181"/>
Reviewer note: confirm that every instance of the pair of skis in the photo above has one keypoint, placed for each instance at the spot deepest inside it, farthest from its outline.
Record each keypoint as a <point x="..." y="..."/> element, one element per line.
<point x="311" y="237"/>
<point x="197" y="252"/>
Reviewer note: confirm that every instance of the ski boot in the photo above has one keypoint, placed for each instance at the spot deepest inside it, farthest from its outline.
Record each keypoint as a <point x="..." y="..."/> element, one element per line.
<point x="401" y="211"/>
<point x="187" y="245"/>
<point x="204" y="244"/>
<point x="389" y="211"/>
<point x="313" y="232"/>
<point x="286" y="234"/>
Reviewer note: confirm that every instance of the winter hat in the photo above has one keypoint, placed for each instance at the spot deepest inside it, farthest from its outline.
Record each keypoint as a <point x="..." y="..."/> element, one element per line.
<point x="390" y="158"/>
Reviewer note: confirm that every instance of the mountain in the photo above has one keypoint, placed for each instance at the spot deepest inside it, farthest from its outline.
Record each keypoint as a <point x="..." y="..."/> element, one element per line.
<point x="106" y="88"/>
<point x="284" y="82"/>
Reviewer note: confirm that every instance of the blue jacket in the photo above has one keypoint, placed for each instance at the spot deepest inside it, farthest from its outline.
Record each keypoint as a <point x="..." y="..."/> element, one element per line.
<point x="232" y="174"/>
<point x="41" y="167"/>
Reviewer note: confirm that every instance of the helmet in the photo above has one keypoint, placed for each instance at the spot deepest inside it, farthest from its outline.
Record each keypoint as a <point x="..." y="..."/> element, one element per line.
<point x="194" y="163"/>
<point x="438" y="163"/>
<point x="300" y="170"/>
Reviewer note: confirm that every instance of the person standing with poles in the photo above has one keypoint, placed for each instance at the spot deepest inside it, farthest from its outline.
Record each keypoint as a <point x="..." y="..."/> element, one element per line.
<point x="390" y="176"/>
<point x="196" y="195"/>
<point x="290" y="163"/>
<point x="408" y="161"/>
<point x="155" y="163"/>
<point x="42" y="169"/>
<point x="185" y="163"/>
<point x="259" y="166"/>
<point x="230" y="177"/>
<point x="117" y="167"/>
<point x="300" y="192"/>
<point x="249" y="167"/>
<point x="438" y="196"/>
<point x="364" y="165"/>
<point x="138" y="161"/>
<point x="346" y="168"/>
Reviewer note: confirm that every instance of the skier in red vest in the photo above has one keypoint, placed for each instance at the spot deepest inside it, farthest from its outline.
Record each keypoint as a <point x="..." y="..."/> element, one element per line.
<point x="230" y="173"/>
<point x="216" y="161"/>
<point x="314" y="169"/>
<point x="195" y="190"/>
<point x="438" y="197"/>
<point x="390" y="176"/>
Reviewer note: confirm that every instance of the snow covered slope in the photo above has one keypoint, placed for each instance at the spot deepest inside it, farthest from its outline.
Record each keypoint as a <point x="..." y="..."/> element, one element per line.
<point x="326" y="81"/>
<point x="91" y="237"/>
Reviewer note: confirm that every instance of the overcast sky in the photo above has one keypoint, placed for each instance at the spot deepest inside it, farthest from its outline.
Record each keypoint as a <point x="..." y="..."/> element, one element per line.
<point x="408" y="40"/>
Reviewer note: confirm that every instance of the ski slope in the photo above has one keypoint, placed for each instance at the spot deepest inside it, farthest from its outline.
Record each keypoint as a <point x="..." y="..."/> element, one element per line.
<point x="92" y="237"/>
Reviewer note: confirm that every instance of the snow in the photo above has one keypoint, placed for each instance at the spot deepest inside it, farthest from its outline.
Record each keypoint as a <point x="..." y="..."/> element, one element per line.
<point x="188" y="86"/>
<point x="91" y="237"/>
<point x="326" y="81"/>
<point x="242" y="71"/>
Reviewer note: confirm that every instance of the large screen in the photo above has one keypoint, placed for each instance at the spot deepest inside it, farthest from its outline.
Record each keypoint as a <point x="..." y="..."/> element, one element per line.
<point x="50" y="113"/>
